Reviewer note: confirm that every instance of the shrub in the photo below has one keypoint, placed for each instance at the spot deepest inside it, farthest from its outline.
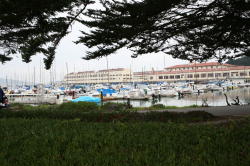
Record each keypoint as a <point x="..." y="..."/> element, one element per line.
<point x="158" y="106"/>
<point x="114" y="106"/>
<point x="79" y="106"/>
<point x="200" y="115"/>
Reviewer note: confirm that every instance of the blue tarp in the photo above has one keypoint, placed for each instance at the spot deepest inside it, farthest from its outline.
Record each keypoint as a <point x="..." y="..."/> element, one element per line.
<point x="48" y="86"/>
<point x="106" y="91"/>
<point x="87" y="99"/>
<point x="26" y="87"/>
<point x="79" y="86"/>
<point x="62" y="88"/>
<point x="123" y="89"/>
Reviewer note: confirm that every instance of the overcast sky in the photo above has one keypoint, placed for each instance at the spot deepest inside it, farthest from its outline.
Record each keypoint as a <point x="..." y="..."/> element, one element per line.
<point x="72" y="54"/>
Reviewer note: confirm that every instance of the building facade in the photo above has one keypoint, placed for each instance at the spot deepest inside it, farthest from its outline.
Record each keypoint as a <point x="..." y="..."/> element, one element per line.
<point x="196" y="72"/>
<point x="119" y="75"/>
<point x="186" y="72"/>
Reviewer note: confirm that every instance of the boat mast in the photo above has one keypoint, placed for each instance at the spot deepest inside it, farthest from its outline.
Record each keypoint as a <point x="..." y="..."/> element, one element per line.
<point x="34" y="76"/>
<point x="67" y="74"/>
<point x="6" y="81"/>
<point x="40" y="72"/>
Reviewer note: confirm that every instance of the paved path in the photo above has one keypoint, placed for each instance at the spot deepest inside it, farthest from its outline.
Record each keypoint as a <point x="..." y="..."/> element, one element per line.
<point x="218" y="110"/>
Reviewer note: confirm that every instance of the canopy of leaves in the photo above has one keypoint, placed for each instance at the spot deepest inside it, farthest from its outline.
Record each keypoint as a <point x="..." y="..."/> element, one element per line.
<point x="35" y="26"/>
<point x="242" y="61"/>
<point x="186" y="29"/>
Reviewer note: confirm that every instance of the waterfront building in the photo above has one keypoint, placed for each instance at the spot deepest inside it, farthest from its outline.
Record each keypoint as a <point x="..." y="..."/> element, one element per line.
<point x="196" y="72"/>
<point x="187" y="72"/>
<point x="119" y="75"/>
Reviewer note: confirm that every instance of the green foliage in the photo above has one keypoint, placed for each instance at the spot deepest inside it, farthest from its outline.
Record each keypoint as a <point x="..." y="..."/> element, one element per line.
<point x="114" y="107"/>
<point x="67" y="143"/>
<point x="158" y="106"/>
<point x="109" y="112"/>
<point x="79" y="106"/>
<point x="29" y="27"/>
<point x="244" y="61"/>
<point x="186" y="29"/>
<point x="64" y="111"/>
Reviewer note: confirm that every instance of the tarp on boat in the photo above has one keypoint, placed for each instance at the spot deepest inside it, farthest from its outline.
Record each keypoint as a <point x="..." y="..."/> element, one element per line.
<point x="79" y="86"/>
<point x="87" y="99"/>
<point x="106" y="91"/>
<point x="62" y="88"/>
<point x="123" y="89"/>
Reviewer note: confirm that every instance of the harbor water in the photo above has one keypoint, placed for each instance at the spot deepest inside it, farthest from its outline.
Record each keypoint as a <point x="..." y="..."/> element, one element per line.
<point x="215" y="98"/>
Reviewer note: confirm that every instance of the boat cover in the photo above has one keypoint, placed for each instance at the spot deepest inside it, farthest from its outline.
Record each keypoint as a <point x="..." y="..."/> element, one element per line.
<point x="87" y="99"/>
<point x="106" y="91"/>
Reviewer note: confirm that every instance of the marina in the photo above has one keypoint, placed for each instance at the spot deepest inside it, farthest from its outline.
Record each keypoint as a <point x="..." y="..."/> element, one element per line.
<point x="140" y="95"/>
<point x="216" y="98"/>
<point x="201" y="84"/>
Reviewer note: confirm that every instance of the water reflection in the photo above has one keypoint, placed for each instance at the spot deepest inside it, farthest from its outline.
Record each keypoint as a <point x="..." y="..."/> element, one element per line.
<point x="215" y="98"/>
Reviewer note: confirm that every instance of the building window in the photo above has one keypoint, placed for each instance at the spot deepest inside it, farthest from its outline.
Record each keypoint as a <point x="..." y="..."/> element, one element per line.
<point x="190" y="76"/>
<point x="165" y="77"/>
<point x="234" y="74"/>
<point x="172" y="77"/>
<point x="225" y="74"/>
<point x="196" y="76"/>
<point x="210" y="75"/>
<point x="242" y="74"/>
<point x="160" y="77"/>
<point x="177" y="76"/>
<point x="217" y="74"/>
<point x="151" y="78"/>
<point x="203" y="75"/>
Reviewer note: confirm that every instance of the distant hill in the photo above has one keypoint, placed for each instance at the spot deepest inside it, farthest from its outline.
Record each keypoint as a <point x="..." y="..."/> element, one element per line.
<point x="244" y="61"/>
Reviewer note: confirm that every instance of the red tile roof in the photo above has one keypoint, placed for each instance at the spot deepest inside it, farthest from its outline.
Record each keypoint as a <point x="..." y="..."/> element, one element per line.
<point x="198" y="64"/>
<point x="148" y="72"/>
<point x="193" y="70"/>
<point x="85" y="72"/>
<point x="118" y="69"/>
<point x="206" y="70"/>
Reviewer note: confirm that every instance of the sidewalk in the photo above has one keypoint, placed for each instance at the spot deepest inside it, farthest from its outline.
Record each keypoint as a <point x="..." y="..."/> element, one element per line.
<point x="239" y="110"/>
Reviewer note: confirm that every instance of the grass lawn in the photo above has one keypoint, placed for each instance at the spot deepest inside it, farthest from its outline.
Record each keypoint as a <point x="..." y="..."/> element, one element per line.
<point x="72" y="142"/>
<point x="73" y="135"/>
